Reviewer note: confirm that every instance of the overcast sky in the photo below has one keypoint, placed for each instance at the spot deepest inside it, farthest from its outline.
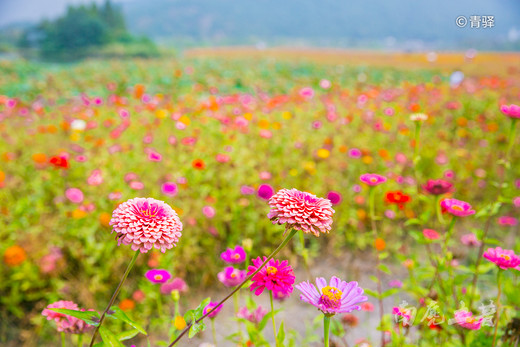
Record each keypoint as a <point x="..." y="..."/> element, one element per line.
<point x="12" y="11"/>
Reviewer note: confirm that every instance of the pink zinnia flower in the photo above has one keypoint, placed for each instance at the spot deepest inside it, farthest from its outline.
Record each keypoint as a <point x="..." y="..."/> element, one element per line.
<point x="301" y="211"/>
<point x="275" y="276"/>
<point x="466" y="320"/>
<point x="438" y="187"/>
<point x="512" y="111"/>
<point x="431" y="234"/>
<point x="265" y="191"/>
<point x="145" y="223"/>
<point x="213" y="309"/>
<point x="66" y="323"/>
<point x="169" y="188"/>
<point x="254" y="317"/>
<point x="457" y="207"/>
<point x="336" y="297"/>
<point x="367" y="306"/>
<point x="231" y="277"/>
<point x="354" y="153"/>
<point x="334" y="197"/>
<point x="209" y="211"/>
<point x="234" y="256"/>
<point x="507" y="221"/>
<point x="470" y="239"/>
<point x="176" y="284"/>
<point x="95" y="178"/>
<point x="74" y="195"/>
<point x="158" y="275"/>
<point x="504" y="258"/>
<point x="402" y="315"/>
<point x="307" y="92"/>
<point x="372" y="179"/>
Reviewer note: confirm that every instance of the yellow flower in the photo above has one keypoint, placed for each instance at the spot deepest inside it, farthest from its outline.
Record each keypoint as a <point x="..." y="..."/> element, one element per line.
<point x="179" y="323"/>
<point x="323" y="153"/>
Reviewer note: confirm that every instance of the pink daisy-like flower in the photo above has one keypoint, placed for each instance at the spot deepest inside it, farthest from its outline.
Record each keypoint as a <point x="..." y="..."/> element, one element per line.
<point x="234" y="256"/>
<point x="402" y="315"/>
<point x="145" y="223"/>
<point x="470" y="239"/>
<point x="254" y="317"/>
<point x="169" y="188"/>
<point x="512" y="111"/>
<point x="431" y="234"/>
<point x="275" y="276"/>
<point x="74" y="195"/>
<point x="372" y="179"/>
<point x="457" y="207"/>
<point x="176" y="284"/>
<point x="213" y="309"/>
<point x="231" y="277"/>
<point x="438" y="187"/>
<point x="504" y="258"/>
<point x="301" y="211"/>
<point x="336" y="297"/>
<point x="66" y="323"/>
<point x="158" y="275"/>
<point x="507" y="221"/>
<point x="466" y="320"/>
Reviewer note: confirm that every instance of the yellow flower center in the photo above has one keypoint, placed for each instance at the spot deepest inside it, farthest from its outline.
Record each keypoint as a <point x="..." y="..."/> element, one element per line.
<point x="332" y="293"/>
<point x="456" y="208"/>
<point x="505" y="256"/>
<point x="470" y="320"/>
<point x="271" y="270"/>
<point x="158" y="277"/>
<point x="236" y="256"/>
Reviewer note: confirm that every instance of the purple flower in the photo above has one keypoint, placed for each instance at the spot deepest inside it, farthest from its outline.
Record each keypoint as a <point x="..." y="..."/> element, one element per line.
<point x="337" y="297"/>
<point x="234" y="256"/>
<point x="158" y="276"/>
<point x="231" y="277"/>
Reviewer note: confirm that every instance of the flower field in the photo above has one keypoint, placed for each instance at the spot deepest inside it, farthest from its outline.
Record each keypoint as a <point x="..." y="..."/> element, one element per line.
<point x="238" y="179"/>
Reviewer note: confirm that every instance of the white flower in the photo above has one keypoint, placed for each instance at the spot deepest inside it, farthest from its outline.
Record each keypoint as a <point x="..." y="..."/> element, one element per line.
<point x="78" y="124"/>
<point x="417" y="117"/>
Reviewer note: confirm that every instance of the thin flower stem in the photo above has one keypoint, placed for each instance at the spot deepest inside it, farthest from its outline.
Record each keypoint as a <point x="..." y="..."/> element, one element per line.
<point x="498" y="306"/>
<point x="239" y="324"/>
<point x="80" y="340"/>
<point x="159" y="303"/>
<point x="275" y="252"/>
<point x="272" y="317"/>
<point x="62" y="339"/>
<point x="438" y="209"/>
<point x="114" y="296"/>
<point x="511" y="138"/>
<point x="326" y="328"/>
<point x="214" y="332"/>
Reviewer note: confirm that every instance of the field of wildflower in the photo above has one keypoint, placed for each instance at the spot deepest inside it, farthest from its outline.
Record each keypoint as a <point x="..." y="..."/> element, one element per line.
<point x="261" y="201"/>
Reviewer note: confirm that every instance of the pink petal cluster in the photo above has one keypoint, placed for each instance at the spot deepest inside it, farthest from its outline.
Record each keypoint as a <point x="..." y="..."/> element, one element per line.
<point x="431" y="234"/>
<point x="158" y="275"/>
<point x="512" y="111"/>
<point x="254" y="317"/>
<point x="470" y="239"/>
<point x="276" y="276"/>
<point x="336" y="297"/>
<point x="234" y="256"/>
<point x="438" y="187"/>
<point x="145" y="223"/>
<point x="301" y="211"/>
<point x="466" y="320"/>
<point x="213" y="309"/>
<point x="457" y="207"/>
<point x="176" y="284"/>
<point x="66" y="323"/>
<point x="231" y="277"/>
<point x="504" y="258"/>
<point x="372" y="179"/>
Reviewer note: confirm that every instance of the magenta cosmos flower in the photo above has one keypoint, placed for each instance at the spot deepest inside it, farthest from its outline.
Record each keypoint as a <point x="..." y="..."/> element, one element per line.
<point x="512" y="111"/>
<point x="145" y="223"/>
<point x="466" y="320"/>
<point x="504" y="258"/>
<point x="336" y="297"/>
<point x="213" y="309"/>
<point x="66" y="323"/>
<point x="233" y="256"/>
<point x="301" y="211"/>
<point x="372" y="179"/>
<point x="231" y="277"/>
<point x="275" y="276"/>
<point x="457" y="207"/>
<point x="438" y="187"/>
<point x="158" y="275"/>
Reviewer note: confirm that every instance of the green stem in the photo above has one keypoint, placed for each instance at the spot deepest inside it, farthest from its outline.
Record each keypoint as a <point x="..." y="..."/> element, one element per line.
<point x="159" y="303"/>
<point x="62" y="339"/>
<point x="371" y="203"/>
<point x="275" y="252"/>
<point x="114" y="296"/>
<point x="214" y="332"/>
<point x="272" y="316"/>
<point x="239" y="324"/>
<point x="498" y="307"/>
<point x="416" y="138"/>
<point x="326" y="328"/>
<point x="511" y="138"/>
<point x="438" y="209"/>
<point x="80" y="340"/>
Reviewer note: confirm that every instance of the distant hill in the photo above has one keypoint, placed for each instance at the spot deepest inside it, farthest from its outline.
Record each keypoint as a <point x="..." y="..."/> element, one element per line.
<point x="325" y="22"/>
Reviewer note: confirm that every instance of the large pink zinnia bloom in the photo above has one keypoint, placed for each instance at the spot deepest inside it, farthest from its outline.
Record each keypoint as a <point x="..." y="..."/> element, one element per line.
<point x="301" y="211"/>
<point x="336" y="297"/>
<point x="504" y="258"/>
<point x="145" y="223"/>
<point x="275" y="276"/>
<point x="66" y="323"/>
<point x="457" y="207"/>
<point x="466" y="320"/>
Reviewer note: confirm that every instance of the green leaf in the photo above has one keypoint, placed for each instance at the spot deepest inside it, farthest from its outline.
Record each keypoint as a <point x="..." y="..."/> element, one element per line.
<point x="413" y="221"/>
<point x="196" y="328"/>
<point x="109" y="338"/>
<point x="372" y="293"/>
<point x="89" y="317"/>
<point x="280" y="337"/>
<point x="119" y="314"/>
<point x="127" y="335"/>
<point x="389" y="292"/>
<point x="384" y="268"/>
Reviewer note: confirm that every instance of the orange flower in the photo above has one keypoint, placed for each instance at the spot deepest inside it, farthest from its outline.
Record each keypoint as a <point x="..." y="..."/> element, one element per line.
<point x="127" y="304"/>
<point x="198" y="164"/>
<point x="104" y="219"/>
<point x="138" y="91"/>
<point x="380" y="244"/>
<point x="14" y="255"/>
<point x="39" y="158"/>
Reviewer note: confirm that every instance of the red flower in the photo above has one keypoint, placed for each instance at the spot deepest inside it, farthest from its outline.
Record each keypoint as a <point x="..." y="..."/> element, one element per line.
<point x="59" y="162"/>
<point x="398" y="198"/>
<point x="198" y="164"/>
